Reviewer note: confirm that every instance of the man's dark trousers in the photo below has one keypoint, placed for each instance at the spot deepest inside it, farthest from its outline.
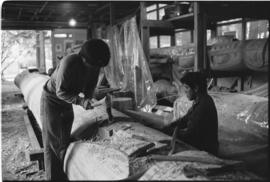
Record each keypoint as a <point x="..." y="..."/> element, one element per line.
<point x="57" y="118"/>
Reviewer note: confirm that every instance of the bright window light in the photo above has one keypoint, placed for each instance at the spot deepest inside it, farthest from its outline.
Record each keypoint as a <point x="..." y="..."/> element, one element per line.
<point x="62" y="35"/>
<point x="72" y="22"/>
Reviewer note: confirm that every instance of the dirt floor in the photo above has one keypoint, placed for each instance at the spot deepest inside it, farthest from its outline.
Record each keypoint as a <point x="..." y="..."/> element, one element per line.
<point x="15" y="140"/>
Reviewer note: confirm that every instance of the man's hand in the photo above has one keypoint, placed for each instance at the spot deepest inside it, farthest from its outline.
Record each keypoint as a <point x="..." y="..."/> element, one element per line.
<point x="90" y="104"/>
<point x="87" y="104"/>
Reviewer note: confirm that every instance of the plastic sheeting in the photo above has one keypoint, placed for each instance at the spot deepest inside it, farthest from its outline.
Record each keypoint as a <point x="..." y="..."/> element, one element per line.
<point x="256" y="113"/>
<point x="115" y="71"/>
<point x="243" y="128"/>
<point x="245" y="117"/>
<point x="128" y="68"/>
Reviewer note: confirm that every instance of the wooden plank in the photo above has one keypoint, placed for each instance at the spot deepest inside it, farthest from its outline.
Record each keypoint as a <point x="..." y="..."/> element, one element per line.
<point x="33" y="138"/>
<point x="194" y="159"/>
<point x="157" y="24"/>
<point x="148" y="119"/>
<point x="182" y="17"/>
<point x="36" y="154"/>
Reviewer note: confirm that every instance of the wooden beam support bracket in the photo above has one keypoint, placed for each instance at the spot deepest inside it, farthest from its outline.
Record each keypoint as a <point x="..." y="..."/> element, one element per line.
<point x="37" y="153"/>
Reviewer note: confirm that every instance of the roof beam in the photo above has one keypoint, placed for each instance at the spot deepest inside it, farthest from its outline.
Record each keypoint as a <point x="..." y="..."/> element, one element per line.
<point x="37" y="25"/>
<point x="102" y="8"/>
<point x="39" y="10"/>
<point x="48" y="16"/>
<point x="43" y="6"/>
<point x="12" y="4"/>
<point x="19" y="14"/>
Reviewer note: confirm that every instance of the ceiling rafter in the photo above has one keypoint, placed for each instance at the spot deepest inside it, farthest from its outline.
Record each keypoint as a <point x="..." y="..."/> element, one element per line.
<point x="39" y="11"/>
<point x="48" y="16"/>
<point x="102" y="8"/>
<point x="19" y="14"/>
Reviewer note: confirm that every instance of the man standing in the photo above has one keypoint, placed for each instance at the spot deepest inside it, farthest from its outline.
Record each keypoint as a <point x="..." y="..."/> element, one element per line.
<point x="199" y="127"/>
<point x="76" y="73"/>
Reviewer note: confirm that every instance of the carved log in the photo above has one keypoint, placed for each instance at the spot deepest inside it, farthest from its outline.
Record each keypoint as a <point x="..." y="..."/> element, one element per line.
<point x="110" y="154"/>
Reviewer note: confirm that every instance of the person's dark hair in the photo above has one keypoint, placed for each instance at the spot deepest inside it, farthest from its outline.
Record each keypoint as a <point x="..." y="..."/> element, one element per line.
<point x="96" y="52"/>
<point x="195" y="78"/>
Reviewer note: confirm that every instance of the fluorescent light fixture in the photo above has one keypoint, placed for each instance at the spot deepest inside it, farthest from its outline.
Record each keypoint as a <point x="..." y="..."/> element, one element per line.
<point x="62" y="35"/>
<point x="72" y="22"/>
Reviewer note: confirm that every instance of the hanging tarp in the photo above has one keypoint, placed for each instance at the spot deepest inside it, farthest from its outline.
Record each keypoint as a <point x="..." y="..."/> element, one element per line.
<point x="115" y="71"/>
<point x="128" y="68"/>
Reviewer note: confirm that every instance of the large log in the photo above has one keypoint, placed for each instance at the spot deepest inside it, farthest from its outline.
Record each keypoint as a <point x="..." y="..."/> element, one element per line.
<point x="112" y="153"/>
<point x="31" y="86"/>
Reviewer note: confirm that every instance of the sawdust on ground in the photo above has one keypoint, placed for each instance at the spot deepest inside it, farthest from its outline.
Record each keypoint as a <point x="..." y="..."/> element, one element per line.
<point x="15" y="140"/>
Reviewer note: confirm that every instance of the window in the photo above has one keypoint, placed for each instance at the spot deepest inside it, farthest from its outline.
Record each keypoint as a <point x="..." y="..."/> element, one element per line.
<point x="182" y="38"/>
<point x="156" y="11"/>
<point x="234" y="30"/>
<point x="257" y="29"/>
<point x="152" y="15"/>
<point x="160" y="41"/>
<point x="151" y="8"/>
<point x="153" y="42"/>
<point x="208" y="35"/>
<point x="161" y="13"/>
<point x="165" y="41"/>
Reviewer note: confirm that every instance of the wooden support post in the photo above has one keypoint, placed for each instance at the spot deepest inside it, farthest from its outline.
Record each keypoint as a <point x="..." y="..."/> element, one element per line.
<point x="173" y="39"/>
<point x="37" y="49"/>
<point x="214" y="31"/>
<point x="89" y="27"/>
<point x="240" y="83"/>
<point x="33" y="138"/>
<point x="42" y="65"/>
<point x="215" y="81"/>
<point x="144" y="29"/>
<point x="268" y="42"/>
<point x="192" y="36"/>
<point x="38" y="155"/>
<point x="199" y="37"/>
<point x="244" y="29"/>
<point x="112" y="16"/>
<point x="54" y="59"/>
